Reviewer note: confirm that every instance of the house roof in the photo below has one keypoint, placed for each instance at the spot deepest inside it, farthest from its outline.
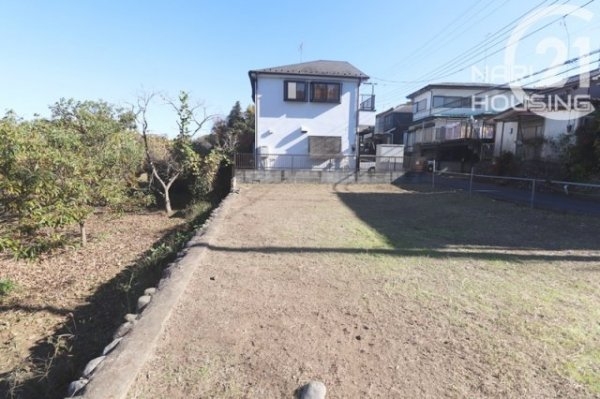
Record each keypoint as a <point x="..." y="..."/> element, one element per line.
<point x="461" y="85"/>
<point x="315" y="68"/>
<point x="575" y="80"/>
<point x="320" y="68"/>
<point x="402" y="108"/>
<point x="572" y="83"/>
<point x="408" y="107"/>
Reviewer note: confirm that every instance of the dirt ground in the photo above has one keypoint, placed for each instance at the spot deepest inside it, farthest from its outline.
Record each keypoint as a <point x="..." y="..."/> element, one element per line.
<point x="64" y="305"/>
<point x="383" y="292"/>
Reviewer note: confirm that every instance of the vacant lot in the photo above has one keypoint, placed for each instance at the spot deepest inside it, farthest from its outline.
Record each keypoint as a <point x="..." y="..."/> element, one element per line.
<point x="386" y="293"/>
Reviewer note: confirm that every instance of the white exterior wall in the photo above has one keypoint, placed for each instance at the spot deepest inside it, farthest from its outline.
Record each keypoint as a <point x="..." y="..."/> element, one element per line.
<point x="506" y="133"/>
<point x="279" y="123"/>
<point x="424" y="113"/>
<point x="506" y="137"/>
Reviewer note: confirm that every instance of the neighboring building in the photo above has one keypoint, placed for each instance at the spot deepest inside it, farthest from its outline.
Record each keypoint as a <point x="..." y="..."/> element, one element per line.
<point x="307" y="112"/>
<point x="451" y="124"/>
<point x="531" y="136"/>
<point x="394" y="123"/>
<point x="390" y="128"/>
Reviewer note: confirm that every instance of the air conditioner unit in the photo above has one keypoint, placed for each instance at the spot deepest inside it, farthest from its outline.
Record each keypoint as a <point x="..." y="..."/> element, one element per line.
<point x="263" y="151"/>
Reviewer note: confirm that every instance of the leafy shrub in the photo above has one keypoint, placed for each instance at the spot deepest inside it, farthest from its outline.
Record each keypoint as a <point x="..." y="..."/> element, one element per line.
<point x="505" y="164"/>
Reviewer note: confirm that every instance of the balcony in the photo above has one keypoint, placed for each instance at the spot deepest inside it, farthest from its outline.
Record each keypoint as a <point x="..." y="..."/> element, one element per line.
<point x="463" y="130"/>
<point x="367" y="102"/>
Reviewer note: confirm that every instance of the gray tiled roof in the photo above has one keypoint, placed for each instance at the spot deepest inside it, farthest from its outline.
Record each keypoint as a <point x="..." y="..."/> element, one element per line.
<point x="407" y="107"/>
<point x="458" y="85"/>
<point x="317" y="68"/>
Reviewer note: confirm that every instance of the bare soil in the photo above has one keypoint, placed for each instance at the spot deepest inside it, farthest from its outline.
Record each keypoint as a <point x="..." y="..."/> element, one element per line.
<point x="384" y="292"/>
<point x="66" y="304"/>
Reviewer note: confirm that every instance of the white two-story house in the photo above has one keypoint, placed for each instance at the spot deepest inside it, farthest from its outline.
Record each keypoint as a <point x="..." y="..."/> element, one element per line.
<point x="307" y="115"/>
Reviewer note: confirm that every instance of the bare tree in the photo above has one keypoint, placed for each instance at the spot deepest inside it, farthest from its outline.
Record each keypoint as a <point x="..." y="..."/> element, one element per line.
<point x="170" y="160"/>
<point x="166" y="169"/>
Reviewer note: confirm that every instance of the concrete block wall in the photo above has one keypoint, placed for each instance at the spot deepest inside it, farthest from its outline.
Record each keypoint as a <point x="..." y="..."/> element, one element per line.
<point x="315" y="176"/>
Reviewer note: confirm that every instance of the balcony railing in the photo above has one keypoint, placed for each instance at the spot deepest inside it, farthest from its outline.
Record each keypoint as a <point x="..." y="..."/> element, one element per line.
<point x="455" y="131"/>
<point x="367" y="102"/>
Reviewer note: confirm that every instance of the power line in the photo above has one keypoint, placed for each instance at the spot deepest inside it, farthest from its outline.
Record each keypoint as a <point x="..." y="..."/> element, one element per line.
<point x="445" y="73"/>
<point x="438" y="34"/>
<point x="449" y="35"/>
<point x="484" y="46"/>
<point x="539" y="72"/>
<point x="449" y="38"/>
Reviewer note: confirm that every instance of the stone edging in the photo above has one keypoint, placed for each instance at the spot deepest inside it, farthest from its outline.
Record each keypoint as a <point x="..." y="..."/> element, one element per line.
<point x="111" y="375"/>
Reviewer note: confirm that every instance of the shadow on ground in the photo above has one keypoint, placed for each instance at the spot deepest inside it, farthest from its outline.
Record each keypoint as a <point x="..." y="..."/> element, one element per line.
<point x="452" y="225"/>
<point x="547" y="196"/>
<point x="448" y="223"/>
<point x="431" y="253"/>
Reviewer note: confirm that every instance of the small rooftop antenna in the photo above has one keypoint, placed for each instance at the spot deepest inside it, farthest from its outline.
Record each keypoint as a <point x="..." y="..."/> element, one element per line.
<point x="301" y="50"/>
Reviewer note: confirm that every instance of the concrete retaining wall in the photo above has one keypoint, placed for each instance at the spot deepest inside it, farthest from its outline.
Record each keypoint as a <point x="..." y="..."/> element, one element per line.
<point x="315" y="176"/>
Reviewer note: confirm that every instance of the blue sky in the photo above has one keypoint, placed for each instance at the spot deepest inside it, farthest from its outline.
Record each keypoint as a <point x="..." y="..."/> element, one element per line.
<point x="112" y="50"/>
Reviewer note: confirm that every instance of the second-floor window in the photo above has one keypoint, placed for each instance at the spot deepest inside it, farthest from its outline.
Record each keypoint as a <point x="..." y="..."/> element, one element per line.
<point x="294" y="90"/>
<point x="451" y="102"/>
<point x="323" y="92"/>
<point x="420" y="106"/>
<point x="388" y="122"/>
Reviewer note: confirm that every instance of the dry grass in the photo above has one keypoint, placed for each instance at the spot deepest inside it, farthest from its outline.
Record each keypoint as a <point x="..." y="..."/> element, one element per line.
<point x="387" y="292"/>
<point x="522" y="284"/>
<point x="65" y="305"/>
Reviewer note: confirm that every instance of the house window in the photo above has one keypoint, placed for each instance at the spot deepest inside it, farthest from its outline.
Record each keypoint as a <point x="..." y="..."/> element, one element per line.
<point x="388" y="122"/>
<point x="324" y="145"/>
<point x="379" y="124"/>
<point x="488" y="131"/>
<point x="322" y="92"/>
<point x="453" y="131"/>
<point x="294" y="90"/>
<point x="420" y="106"/>
<point x="451" y="102"/>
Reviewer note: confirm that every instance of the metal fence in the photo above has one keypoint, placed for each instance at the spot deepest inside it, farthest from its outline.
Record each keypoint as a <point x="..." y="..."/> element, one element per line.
<point x="369" y="163"/>
<point x="543" y="193"/>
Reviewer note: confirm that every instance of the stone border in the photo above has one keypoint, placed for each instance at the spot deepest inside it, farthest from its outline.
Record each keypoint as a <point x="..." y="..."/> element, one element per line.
<point x="111" y="375"/>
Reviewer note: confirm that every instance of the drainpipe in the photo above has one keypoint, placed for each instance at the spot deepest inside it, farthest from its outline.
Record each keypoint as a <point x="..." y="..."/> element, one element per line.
<point x="356" y="139"/>
<point x="256" y="114"/>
